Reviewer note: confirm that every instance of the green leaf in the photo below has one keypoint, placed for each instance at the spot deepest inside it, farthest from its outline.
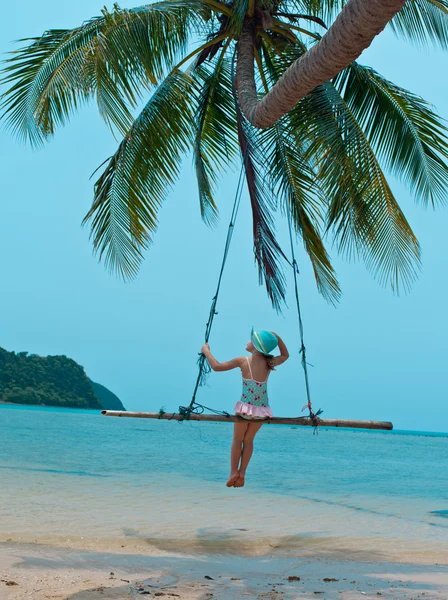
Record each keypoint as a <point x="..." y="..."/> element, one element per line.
<point x="363" y="213"/>
<point x="137" y="178"/>
<point x="423" y="22"/>
<point x="38" y="98"/>
<point x="239" y="8"/>
<point x="268" y="253"/>
<point x="327" y="10"/>
<point x="113" y="57"/>
<point x="402" y="128"/>
<point x="216" y="143"/>
<point x="295" y="182"/>
<point x="297" y="187"/>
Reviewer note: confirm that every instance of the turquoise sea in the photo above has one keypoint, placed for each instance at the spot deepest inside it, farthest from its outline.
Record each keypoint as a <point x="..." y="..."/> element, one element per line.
<point x="76" y="477"/>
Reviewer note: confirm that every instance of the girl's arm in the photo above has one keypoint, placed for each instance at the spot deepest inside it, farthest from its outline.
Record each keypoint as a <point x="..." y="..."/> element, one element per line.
<point x="284" y="354"/>
<point x="217" y="366"/>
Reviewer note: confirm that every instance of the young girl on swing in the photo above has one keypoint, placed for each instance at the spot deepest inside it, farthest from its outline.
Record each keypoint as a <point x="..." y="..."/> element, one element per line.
<point x="254" y="403"/>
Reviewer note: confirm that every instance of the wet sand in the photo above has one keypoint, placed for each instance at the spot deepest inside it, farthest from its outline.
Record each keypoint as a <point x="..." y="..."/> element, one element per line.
<point x="44" y="571"/>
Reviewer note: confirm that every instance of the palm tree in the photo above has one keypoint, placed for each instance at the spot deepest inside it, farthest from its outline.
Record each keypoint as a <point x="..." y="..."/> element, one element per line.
<point x="321" y="158"/>
<point x="353" y="31"/>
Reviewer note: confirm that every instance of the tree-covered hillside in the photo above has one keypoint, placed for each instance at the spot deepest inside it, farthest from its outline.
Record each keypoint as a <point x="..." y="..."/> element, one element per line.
<point x="107" y="398"/>
<point x="49" y="381"/>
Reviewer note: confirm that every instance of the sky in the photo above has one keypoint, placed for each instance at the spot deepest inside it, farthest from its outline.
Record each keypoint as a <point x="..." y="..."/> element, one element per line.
<point x="375" y="356"/>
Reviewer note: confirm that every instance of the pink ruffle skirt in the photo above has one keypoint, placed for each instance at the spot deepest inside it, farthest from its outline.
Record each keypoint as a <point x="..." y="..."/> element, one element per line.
<point x="252" y="412"/>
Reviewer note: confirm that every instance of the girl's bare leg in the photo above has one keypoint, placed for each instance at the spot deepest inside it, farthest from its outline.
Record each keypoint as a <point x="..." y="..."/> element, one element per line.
<point x="248" y="448"/>
<point x="239" y="432"/>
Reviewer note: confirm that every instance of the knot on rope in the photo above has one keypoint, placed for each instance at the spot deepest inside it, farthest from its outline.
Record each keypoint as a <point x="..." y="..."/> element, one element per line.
<point x="314" y="416"/>
<point x="162" y="412"/>
<point x="194" y="408"/>
<point x="186" y="411"/>
<point x="204" y="369"/>
<point x="295" y="266"/>
<point x="302" y="351"/>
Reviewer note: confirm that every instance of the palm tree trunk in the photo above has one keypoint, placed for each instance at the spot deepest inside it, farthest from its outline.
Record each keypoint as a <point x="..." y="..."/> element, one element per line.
<point x="353" y="31"/>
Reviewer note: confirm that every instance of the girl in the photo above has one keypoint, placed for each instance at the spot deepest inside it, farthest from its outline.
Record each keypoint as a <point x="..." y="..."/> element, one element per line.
<point x="254" y="403"/>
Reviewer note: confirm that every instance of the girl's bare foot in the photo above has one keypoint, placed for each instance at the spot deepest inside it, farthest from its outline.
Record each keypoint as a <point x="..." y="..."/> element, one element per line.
<point x="240" y="481"/>
<point x="233" y="479"/>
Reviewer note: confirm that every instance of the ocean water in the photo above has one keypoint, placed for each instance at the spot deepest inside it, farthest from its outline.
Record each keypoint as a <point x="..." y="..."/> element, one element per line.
<point x="78" y="478"/>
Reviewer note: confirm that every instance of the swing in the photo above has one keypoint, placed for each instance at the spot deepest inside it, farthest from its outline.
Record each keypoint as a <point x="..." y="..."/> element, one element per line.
<point x="196" y="411"/>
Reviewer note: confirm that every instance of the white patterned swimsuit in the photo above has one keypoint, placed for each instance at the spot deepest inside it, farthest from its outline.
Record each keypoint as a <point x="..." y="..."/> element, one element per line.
<point x="254" y="402"/>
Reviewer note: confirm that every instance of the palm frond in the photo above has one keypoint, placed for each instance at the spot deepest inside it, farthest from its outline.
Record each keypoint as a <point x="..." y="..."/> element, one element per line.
<point x="297" y="186"/>
<point x="277" y="55"/>
<point x="216" y="143"/>
<point x="29" y="110"/>
<point x="113" y="56"/>
<point x="136" y="179"/>
<point x="327" y="10"/>
<point x="268" y="253"/>
<point x="403" y="129"/>
<point x="423" y="22"/>
<point x="363" y="212"/>
<point x="315" y="121"/>
<point x="295" y="182"/>
<point x="113" y="100"/>
<point x="239" y="11"/>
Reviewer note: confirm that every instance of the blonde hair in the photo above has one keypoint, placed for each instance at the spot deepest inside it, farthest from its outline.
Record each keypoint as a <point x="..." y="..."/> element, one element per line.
<point x="269" y="359"/>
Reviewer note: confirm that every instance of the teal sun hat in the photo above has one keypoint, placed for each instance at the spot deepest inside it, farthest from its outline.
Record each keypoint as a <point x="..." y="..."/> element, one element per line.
<point x="264" y="341"/>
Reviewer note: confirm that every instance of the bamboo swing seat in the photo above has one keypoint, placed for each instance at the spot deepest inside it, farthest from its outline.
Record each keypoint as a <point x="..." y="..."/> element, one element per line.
<point x="301" y="421"/>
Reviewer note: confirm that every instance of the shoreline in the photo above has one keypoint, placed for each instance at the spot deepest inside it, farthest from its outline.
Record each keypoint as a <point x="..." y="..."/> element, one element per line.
<point x="40" y="572"/>
<point x="2" y="402"/>
<point x="231" y="543"/>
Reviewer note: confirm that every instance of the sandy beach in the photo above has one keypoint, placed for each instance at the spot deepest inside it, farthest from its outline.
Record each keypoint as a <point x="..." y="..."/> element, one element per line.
<point x="41" y="572"/>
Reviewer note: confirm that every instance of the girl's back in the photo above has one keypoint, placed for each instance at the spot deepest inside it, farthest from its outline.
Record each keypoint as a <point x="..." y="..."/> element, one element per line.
<point x="255" y="368"/>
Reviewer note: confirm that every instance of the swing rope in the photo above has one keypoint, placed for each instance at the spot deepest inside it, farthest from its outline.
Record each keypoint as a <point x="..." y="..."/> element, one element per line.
<point x="204" y="367"/>
<point x="314" y="416"/>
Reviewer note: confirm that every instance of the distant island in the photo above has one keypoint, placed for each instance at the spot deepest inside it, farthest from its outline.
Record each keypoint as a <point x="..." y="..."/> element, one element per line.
<point x="51" y="381"/>
<point x="108" y="399"/>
